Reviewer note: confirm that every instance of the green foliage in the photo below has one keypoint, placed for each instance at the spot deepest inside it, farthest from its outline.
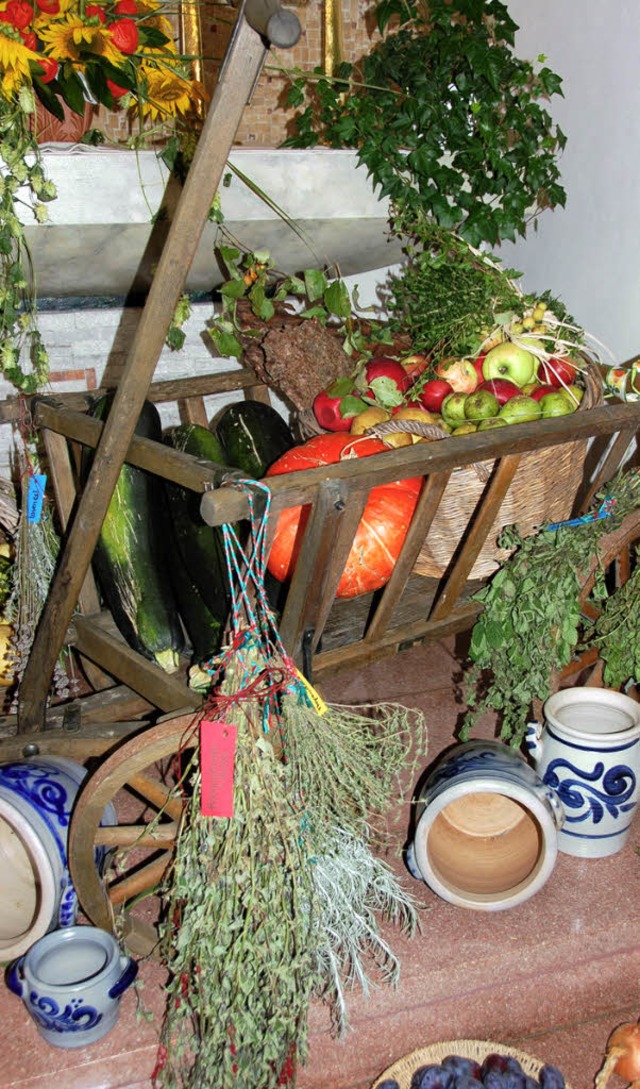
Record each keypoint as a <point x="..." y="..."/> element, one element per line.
<point x="447" y="293"/>
<point x="254" y="280"/>
<point x="23" y="357"/>
<point x="448" y="122"/>
<point x="531" y="619"/>
<point x="616" y="633"/>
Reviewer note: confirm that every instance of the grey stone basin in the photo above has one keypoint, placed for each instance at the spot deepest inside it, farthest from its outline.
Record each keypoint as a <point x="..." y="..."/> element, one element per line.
<point x="100" y="239"/>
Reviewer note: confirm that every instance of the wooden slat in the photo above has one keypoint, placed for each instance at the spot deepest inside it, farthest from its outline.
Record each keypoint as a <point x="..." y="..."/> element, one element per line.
<point x="96" y="637"/>
<point x="476" y="536"/>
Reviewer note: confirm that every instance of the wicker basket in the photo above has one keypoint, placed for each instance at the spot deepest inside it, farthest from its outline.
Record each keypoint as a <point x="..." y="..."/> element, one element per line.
<point x="544" y="490"/>
<point x="403" y="1070"/>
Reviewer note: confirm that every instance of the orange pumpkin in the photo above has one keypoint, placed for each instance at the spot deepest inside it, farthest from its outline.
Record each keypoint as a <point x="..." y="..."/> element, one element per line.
<point x="383" y="526"/>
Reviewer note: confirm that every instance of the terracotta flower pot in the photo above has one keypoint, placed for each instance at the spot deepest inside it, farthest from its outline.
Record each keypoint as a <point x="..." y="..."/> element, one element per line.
<point x="50" y="129"/>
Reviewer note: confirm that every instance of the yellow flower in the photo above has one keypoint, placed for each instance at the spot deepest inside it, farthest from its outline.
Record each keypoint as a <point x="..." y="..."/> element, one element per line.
<point x="166" y="92"/>
<point x="14" y="64"/>
<point x="71" y="39"/>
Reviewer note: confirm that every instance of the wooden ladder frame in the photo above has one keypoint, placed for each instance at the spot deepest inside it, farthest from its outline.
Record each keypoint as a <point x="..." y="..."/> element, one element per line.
<point x="243" y="64"/>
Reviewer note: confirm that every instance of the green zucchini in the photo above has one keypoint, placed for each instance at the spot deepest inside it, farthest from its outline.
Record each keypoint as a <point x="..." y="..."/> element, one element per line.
<point x="130" y="560"/>
<point x="199" y="546"/>
<point x="252" y="435"/>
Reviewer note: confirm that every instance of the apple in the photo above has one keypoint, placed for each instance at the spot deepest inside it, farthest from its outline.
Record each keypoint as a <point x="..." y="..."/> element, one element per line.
<point x="433" y="394"/>
<point x="415" y="412"/>
<point x="414" y="365"/>
<point x="541" y="391"/>
<point x="459" y="373"/>
<point x="369" y="417"/>
<point x="501" y="388"/>
<point x="335" y="407"/>
<point x="491" y="423"/>
<point x="383" y="368"/>
<point x="520" y="409"/>
<point x="452" y="409"/>
<point x="556" y="404"/>
<point x="574" y="393"/>
<point x="478" y="361"/>
<point x="557" y="371"/>
<point x="481" y="404"/>
<point x="507" y="360"/>
<point x="466" y="428"/>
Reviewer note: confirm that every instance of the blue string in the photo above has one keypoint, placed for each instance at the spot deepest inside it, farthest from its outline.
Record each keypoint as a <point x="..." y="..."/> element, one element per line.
<point x="604" y="511"/>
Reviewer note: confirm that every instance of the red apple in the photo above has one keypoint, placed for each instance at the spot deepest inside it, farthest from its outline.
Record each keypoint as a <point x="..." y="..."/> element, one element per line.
<point x="542" y="391"/>
<point x="478" y="361"/>
<point x="557" y="372"/>
<point x="433" y="394"/>
<point x="501" y="388"/>
<point x="335" y="407"/>
<point x="459" y="373"/>
<point x="387" y="381"/>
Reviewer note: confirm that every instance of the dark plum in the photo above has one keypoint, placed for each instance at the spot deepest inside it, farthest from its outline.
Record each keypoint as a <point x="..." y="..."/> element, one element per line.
<point x="388" y="1083"/>
<point x="466" y="1081"/>
<point x="493" y="1063"/>
<point x="432" y="1076"/>
<point x="530" y="1083"/>
<point x="459" y="1065"/>
<point x="513" y="1065"/>
<point x="550" y="1077"/>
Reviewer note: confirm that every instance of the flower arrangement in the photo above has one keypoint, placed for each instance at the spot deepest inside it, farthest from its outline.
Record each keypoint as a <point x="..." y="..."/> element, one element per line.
<point x="67" y="53"/>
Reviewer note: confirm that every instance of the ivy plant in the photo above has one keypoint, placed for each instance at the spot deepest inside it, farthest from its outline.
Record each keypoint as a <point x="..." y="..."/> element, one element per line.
<point x="446" y="119"/>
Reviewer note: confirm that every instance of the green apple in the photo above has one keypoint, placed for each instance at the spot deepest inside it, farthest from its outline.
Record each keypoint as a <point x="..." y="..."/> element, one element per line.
<point x="574" y="393"/>
<point x="556" y="404"/>
<point x="490" y="424"/>
<point x="507" y="360"/>
<point x="520" y="409"/>
<point x="481" y="404"/>
<point x="452" y="408"/>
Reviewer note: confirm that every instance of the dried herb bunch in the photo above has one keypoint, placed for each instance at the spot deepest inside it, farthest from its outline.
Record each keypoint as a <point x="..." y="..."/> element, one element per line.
<point x="282" y="901"/>
<point x="532" y="622"/>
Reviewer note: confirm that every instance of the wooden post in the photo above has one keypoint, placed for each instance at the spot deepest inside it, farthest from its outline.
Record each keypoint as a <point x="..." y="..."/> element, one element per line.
<point x="243" y="64"/>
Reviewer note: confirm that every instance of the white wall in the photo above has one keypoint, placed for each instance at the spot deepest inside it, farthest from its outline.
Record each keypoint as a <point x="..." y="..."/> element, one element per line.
<point x="589" y="253"/>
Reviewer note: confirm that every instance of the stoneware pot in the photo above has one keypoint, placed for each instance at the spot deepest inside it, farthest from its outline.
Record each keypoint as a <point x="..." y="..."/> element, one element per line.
<point x="486" y="828"/>
<point x="71" y="982"/>
<point x="36" y="894"/>
<point x="588" y="750"/>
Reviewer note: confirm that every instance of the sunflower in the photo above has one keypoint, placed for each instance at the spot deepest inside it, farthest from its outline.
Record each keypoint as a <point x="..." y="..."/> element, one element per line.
<point x="167" y="93"/>
<point x="15" y="61"/>
<point x="71" y="39"/>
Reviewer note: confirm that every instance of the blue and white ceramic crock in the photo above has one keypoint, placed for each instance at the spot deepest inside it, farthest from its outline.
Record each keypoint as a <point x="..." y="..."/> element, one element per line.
<point x="486" y="828"/>
<point x="37" y="796"/>
<point x="71" y="982"/>
<point x="588" y="750"/>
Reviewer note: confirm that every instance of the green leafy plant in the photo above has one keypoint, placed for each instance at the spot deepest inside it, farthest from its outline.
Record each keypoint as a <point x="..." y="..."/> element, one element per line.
<point x="531" y="620"/>
<point x="262" y="292"/>
<point x="447" y="121"/>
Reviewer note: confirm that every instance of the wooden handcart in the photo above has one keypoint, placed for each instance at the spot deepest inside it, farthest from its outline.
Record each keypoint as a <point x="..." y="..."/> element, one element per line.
<point x="138" y="714"/>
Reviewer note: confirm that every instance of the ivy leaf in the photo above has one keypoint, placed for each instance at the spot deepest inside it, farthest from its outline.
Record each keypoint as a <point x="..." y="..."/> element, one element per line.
<point x="315" y="283"/>
<point x="337" y="299"/>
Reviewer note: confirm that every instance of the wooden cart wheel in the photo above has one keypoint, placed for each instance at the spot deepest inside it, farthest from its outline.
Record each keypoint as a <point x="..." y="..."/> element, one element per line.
<point x="148" y="810"/>
<point x="618" y="561"/>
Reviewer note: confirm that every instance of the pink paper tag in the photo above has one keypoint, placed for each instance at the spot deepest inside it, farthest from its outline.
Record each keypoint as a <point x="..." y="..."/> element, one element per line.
<point x="217" y="756"/>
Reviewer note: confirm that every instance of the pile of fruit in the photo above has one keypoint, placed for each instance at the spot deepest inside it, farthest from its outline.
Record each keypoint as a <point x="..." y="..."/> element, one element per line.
<point x="496" y="1071"/>
<point x="507" y="384"/>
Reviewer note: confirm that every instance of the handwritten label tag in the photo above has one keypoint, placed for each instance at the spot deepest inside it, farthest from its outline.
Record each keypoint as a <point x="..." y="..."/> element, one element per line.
<point x="35" y="496"/>
<point x="217" y="759"/>
<point x="314" y="696"/>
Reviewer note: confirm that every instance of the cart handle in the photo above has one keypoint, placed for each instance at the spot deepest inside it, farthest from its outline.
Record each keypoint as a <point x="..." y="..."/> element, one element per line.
<point x="278" y="25"/>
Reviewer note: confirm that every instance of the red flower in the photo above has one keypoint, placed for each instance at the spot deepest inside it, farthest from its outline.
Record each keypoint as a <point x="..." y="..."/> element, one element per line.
<point x="20" y="13"/>
<point x="50" y="69"/>
<point x="124" y="34"/>
<point x="93" y="10"/>
<point x="116" y="92"/>
<point x="29" y="39"/>
<point x="126" y="7"/>
<point x="51" y="7"/>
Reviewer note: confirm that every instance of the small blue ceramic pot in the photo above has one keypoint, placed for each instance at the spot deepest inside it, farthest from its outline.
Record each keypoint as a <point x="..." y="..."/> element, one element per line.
<point x="71" y="982"/>
<point x="486" y="828"/>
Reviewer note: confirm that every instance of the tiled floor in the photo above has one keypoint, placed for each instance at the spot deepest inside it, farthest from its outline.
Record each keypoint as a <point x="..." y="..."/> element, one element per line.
<point x="552" y="977"/>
